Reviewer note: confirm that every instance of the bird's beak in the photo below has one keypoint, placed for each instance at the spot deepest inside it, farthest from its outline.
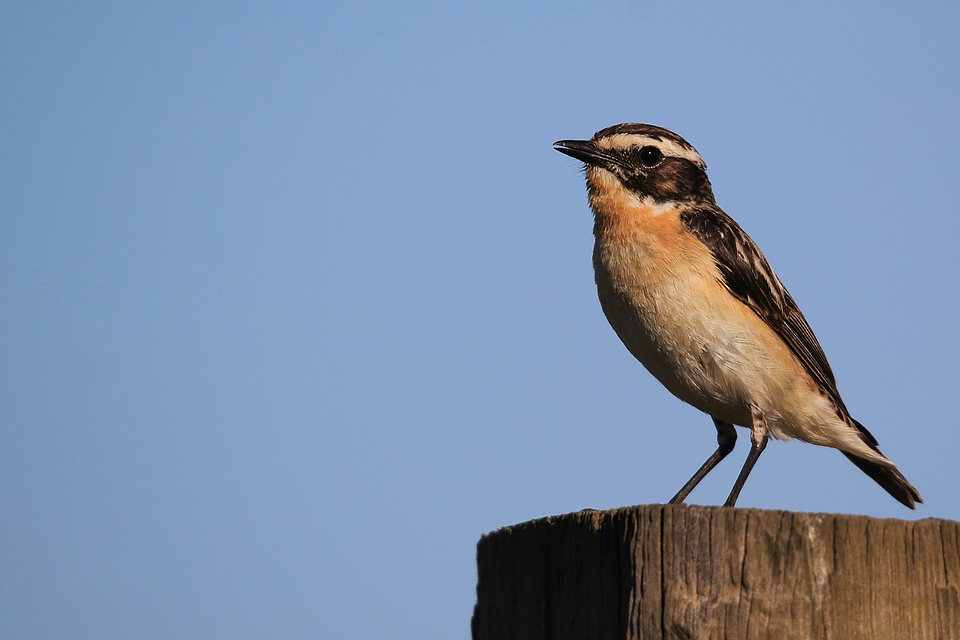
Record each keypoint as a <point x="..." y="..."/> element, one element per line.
<point x="583" y="150"/>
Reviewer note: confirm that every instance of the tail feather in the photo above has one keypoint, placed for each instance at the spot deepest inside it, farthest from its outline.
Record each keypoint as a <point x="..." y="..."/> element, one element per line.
<point x="866" y="435"/>
<point x="888" y="478"/>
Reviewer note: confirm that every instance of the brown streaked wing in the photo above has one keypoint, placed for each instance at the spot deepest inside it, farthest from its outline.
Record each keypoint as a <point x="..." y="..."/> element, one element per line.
<point x="748" y="276"/>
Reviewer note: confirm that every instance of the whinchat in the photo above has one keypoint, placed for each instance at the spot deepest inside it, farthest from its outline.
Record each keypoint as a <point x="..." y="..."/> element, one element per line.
<point x="695" y="301"/>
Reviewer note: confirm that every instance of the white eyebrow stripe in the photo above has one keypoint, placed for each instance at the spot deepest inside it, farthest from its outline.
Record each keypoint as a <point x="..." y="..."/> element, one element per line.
<point x="667" y="146"/>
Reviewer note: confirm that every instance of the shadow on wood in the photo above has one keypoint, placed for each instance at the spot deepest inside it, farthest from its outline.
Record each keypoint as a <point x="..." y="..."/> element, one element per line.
<point x="678" y="571"/>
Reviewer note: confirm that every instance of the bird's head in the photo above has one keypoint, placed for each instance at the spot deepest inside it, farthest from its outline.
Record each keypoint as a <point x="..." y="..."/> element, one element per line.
<point x="650" y="162"/>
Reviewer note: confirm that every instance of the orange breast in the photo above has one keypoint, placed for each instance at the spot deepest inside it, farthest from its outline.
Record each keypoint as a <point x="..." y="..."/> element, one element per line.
<point x="627" y="223"/>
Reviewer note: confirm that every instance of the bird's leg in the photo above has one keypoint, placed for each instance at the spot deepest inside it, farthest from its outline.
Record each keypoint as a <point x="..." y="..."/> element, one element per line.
<point x="726" y="440"/>
<point x="759" y="434"/>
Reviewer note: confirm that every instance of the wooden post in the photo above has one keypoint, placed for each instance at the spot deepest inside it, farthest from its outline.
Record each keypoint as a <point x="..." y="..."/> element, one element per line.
<point x="684" y="572"/>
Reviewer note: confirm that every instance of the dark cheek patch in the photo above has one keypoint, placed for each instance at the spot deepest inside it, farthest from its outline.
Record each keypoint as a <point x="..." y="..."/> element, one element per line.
<point x="672" y="179"/>
<point x="669" y="188"/>
<point x="675" y="178"/>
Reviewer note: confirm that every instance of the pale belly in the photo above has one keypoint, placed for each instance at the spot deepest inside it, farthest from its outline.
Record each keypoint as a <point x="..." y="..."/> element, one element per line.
<point x="708" y="349"/>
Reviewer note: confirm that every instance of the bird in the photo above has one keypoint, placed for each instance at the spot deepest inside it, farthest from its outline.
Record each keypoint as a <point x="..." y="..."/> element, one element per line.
<point x="691" y="296"/>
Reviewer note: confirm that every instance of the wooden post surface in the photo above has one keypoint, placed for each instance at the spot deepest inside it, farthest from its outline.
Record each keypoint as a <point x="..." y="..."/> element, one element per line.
<point x="684" y="572"/>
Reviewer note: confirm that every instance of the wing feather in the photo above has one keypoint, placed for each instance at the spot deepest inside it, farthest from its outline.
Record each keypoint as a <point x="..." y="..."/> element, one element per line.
<point x="748" y="276"/>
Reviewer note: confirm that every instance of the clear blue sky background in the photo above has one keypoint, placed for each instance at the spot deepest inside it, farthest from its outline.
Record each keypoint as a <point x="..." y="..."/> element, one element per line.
<point x="297" y="298"/>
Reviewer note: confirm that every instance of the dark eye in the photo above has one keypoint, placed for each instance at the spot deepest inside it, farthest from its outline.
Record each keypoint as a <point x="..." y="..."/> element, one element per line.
<point x="650" y="156"/>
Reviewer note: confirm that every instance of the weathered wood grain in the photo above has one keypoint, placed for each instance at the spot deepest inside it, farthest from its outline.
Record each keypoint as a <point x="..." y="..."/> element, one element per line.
<point x="681" y="572"/>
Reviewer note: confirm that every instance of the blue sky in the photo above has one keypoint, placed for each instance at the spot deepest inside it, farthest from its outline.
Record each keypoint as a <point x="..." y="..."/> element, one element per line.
<point x="297" y="298"/>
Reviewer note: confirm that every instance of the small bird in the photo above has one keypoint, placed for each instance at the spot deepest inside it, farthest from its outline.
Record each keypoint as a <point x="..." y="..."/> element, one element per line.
<point x="694" y="300"/>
